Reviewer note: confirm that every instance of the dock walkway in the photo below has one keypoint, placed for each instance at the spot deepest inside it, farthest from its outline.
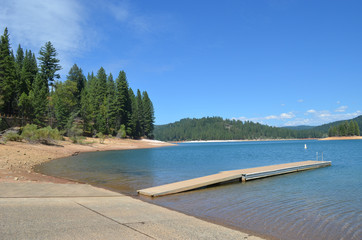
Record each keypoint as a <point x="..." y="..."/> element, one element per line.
<point x="241" y="174"/>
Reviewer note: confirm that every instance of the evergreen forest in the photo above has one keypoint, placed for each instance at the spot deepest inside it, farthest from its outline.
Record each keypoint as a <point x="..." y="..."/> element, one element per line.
<point x="217" y="128"/>
<point x="31" y="92"/>
<point x="347" y="128"/>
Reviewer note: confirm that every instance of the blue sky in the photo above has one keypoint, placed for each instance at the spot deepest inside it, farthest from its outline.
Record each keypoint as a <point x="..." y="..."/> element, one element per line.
<point x="277" y="62"/>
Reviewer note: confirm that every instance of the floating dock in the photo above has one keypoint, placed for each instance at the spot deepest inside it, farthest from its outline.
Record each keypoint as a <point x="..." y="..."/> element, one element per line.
<point x="241" y="175"/>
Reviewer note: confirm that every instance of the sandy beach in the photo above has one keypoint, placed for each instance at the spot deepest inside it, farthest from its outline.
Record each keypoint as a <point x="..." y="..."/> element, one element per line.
<point x="342" y="138"/>
<point x="17" y="159"/>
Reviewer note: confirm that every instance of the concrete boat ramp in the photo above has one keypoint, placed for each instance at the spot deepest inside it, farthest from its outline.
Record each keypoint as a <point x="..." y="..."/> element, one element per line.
<point x="241" y="174"/>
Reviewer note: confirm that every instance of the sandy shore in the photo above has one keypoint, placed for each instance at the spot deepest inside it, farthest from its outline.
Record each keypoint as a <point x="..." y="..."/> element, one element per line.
<point x="17" y="159"/>
<point x="342" y="138"/>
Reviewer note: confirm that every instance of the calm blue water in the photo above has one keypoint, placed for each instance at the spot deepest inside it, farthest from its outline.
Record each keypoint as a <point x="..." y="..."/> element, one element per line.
<point x="325" y="203"/>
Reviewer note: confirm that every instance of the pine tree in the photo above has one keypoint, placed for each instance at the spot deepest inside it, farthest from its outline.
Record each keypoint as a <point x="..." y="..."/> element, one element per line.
<point x="100" y="86"/>
<point x="7" y="75"/>
<point x="65" y="102"/>
<point x="123" y="102"/>
<point x="148" y="113"/>
<point x="49" y="64"/>
<point x="29" y="70"/>
<point x="21" y="85"/>
<point x="40" y="101"/>
<point x="111" y="105"/>
<point x="76" y="75"/>
<point x="26" y="106"/>
<point x="89" y="105"/>
<point x="140" y="113"/>
<point x="85" y="110"/>
<point x="134" y="123"/>
<point x="99" y="100"/>
<point x="356" y="129"/>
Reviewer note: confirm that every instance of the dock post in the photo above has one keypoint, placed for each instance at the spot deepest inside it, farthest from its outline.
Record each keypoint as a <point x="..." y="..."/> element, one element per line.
<point x="243" y="179"/>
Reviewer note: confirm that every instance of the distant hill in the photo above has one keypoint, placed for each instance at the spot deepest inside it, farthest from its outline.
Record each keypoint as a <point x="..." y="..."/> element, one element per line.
<point x="301" y="127"/>
<point x="325" y="127"/>
<point x="217" y="128"/>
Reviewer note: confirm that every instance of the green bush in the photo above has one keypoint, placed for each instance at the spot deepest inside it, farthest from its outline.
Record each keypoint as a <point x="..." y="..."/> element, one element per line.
<point x="101" y="137"/>
<point x="122" y="132"/>
<point x="29" y="132"/>
<point x="11" y="136"/>
<point x="44" y="135"/>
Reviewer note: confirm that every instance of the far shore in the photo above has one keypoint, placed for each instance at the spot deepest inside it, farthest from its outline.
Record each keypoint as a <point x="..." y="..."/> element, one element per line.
<point x="342" y="138"/>
<point x="269" y="139"/>
<point x="17" y="159"/>
<point x="243" y="140"/>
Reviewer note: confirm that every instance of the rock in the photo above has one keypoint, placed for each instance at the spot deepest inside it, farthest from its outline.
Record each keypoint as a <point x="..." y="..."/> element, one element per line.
<point x="75" y="154"/>
<point x="16" y="178"/>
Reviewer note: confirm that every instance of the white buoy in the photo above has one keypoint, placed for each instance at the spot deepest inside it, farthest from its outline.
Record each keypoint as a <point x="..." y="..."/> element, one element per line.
<point x="305" y="146"/>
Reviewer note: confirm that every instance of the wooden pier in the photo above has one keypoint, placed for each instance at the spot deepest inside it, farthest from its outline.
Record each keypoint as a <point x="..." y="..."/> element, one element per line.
<point x="242" y="175"/>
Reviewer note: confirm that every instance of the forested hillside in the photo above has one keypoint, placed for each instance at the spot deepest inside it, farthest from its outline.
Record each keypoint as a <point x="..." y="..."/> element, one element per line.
<point x="216" y="128"/>
<point x="326" y="127"/>
<point x="30" y="91"/>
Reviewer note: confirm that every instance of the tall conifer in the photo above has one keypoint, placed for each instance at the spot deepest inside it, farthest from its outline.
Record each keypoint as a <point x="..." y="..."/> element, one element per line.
<point x="49" y="64"/>
<point x="40" y="100"/>
<point x="7" y="74"/>
<point x="148" y="114"/>
<point x="76" y="75"/>
<point x="123" y="102"/>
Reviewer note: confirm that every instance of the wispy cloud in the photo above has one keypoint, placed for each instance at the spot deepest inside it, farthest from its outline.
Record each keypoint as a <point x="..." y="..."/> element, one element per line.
<point x="311" y="111"/>
<point x="341" y="109"/>
<point x="32" y="23"/>
<point x="300" y="100"/>
<point x="310" y="117"/>
<point x="321" y="117"/>
<point x="281" y="116"/>
<point x="123" y="12"/>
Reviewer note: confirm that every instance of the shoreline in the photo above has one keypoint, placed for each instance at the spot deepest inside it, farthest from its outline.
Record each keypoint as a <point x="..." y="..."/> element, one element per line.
<point x="270" y="139"/>
<point x="243" y="140"/>
<point x="18" y="159"/>
<point x="342" y="138"/>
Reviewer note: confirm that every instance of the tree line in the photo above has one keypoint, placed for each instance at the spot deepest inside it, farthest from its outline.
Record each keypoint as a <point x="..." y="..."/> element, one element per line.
<point x="347" y="128"/>
<point x="80" y="105"/>
<point x="216" y="128"/>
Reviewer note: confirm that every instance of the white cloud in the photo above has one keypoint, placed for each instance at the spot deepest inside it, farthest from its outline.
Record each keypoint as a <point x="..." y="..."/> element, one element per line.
<point x="300" y="100"/>
<point x="341" y="109"/>
<point x="338" y="102"/>
<point x="33" y="23"/>
<point x="311" y="111"/>
<point x="322" y="117"/>
<point x="282" y="116"/>
<point x="312" y="117"/>
<point x="287" y="115"/>
<point x="271" y="117"/>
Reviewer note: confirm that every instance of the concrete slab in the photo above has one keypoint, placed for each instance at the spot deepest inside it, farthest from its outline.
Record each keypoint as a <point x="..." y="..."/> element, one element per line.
<point x="36" y="212"/>
<point x="57" y="219"/>
<point x="38" y="190"/>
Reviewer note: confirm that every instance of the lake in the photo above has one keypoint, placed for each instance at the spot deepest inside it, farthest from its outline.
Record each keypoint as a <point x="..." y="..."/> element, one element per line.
<point x="324" y="203"/>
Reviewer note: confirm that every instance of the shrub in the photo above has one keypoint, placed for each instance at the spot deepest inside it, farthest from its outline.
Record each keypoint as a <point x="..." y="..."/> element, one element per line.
<point x="11" y="136"/>
<point x="29" y="132"/>
<point x="122" y="132"/>
<point x="45" y="135"/>
<point x="101" y="137"/>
